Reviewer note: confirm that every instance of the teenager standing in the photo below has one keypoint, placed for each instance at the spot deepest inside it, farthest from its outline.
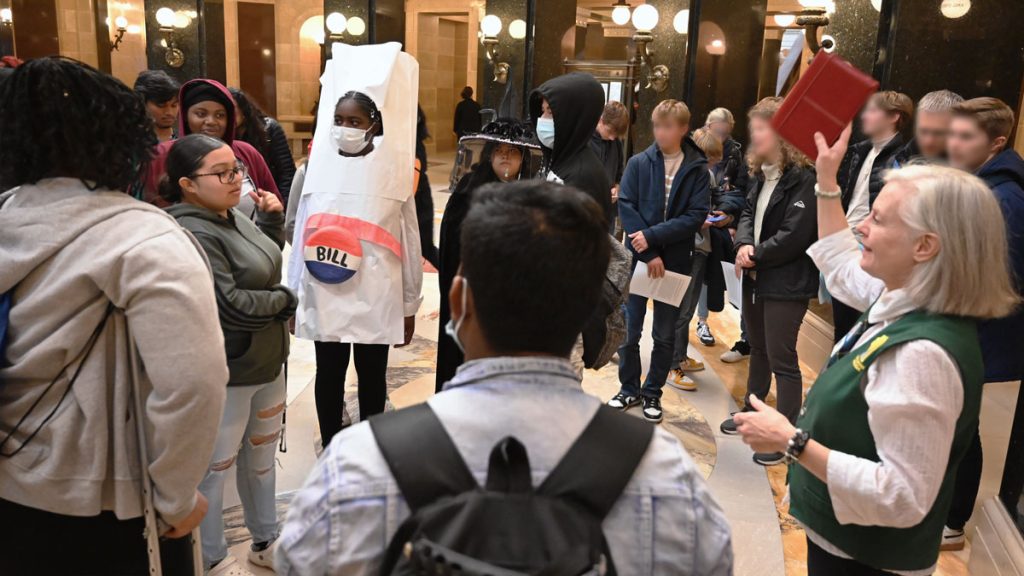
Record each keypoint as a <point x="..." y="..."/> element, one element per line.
<point x="777" y="226"/>
<point x="663" y="204"/>
<point x="204" y="181"/>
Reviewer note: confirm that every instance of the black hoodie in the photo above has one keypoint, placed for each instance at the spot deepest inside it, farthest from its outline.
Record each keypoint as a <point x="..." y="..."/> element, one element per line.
<point x="576" y="102"/>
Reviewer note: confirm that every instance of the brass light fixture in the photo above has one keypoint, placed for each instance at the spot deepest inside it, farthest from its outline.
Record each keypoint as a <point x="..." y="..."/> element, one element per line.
<point x="814" y="16"/>
<point x="170" y="22"/>
<point x="645" y="18"/>
<point x="490" y="27"/>
<point x="122" y="26"/>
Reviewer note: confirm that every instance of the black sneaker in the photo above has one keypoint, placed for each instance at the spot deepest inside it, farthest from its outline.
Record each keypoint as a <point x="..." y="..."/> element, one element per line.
<point x="769" y="458"/>
<point x="652" y="409"/>
<point x="740" y="350"/>
<point x="622" y="401"/>
<point x="729" y="427"/>
<point x="704" y="334"/>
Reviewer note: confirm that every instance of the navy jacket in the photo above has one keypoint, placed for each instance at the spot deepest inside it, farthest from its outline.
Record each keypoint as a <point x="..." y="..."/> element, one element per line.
<point x="669" y="233"/>
<point x="1002" y="340"/>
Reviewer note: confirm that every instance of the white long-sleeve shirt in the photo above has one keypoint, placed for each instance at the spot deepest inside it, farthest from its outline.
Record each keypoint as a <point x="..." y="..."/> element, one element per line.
<point x="914" y="396"/>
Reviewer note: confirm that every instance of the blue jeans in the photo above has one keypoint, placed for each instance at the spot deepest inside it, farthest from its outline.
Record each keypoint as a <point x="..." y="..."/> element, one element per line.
<point x="663" y="331"/>
<point x="246" y="441"/>
<point x="702" y="304"/>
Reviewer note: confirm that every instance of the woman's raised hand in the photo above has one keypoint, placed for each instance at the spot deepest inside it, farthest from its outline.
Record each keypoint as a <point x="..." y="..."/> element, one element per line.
<point x="830" y="157"/>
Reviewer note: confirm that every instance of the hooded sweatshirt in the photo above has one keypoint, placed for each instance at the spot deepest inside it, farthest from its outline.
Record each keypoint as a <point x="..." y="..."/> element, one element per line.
<point x="254" y="306"/>
<point x="253" y="160"/>
<point x="576" y="102"/>
<point x="1002" y="340"/>
<point x="66" y="253"/>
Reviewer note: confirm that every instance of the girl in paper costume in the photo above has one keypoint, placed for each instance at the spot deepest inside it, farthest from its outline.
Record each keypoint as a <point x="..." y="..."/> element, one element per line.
<point x="357" y="267"/>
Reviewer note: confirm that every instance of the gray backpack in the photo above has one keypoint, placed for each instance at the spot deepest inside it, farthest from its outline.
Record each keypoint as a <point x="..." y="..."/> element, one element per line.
<point x="606" y="330"/>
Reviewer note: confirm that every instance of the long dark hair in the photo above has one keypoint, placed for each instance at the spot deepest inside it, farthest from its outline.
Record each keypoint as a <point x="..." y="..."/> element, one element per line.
<point x="185" y="157"/>
<point x="60" y="117"/>
<point x="254" y="131"/>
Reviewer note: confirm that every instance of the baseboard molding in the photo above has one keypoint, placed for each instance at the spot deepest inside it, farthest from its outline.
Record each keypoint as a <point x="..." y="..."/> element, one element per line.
<point x="997" y="548"/>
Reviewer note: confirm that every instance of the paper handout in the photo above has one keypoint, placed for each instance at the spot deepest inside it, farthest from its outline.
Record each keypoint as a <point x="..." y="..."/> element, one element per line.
<point x="669" y="289"/>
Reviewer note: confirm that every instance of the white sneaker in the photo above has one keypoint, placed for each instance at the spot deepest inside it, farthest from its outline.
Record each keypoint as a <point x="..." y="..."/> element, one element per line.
<point x="952" y="540"/>
<point x="263" y="557"/>
<point x="229" y="567"/>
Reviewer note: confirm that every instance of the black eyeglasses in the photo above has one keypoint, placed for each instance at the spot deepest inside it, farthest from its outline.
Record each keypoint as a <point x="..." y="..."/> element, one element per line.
<point x="228" y="176"/>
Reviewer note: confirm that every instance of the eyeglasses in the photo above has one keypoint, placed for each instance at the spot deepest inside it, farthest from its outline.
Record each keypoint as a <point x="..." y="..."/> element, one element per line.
<point x="228" y="176"/>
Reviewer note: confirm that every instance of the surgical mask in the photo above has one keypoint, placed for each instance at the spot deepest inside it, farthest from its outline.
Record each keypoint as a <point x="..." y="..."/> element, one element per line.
<point x="546" y="131"/>
<point x="453" y="325"/>
<point x="349" y="140"/>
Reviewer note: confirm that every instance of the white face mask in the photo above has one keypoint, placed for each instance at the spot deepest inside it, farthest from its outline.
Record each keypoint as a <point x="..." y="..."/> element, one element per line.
<point x="546" y="131"/>
<point x="453" y="325"/>
<point x="349" y="140"/>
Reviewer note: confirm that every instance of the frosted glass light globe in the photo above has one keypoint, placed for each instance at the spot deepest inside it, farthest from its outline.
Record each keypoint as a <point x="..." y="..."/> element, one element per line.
<point x="356" y="26"/>
<point x="165" y="17"/>
<point x="336" y="22"/>
<point x="620" y="15"/>
<point x="645" y="17"/>
<point x="682" y="21"/>
<point x="517" y="29"/>
<point x="490" y="25"/>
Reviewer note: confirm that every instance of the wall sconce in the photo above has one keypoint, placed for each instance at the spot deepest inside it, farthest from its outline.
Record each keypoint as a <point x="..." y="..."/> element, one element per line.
<point x="122" y="26"/>
<point x="620" y="13"/>
<point x="6" y="17"/>
<point x="645" y="18"/>
<point x="355" y="26"/>
<point x="336" y="24"/>
<point x="682" y="22"/>
<point x="814" y="16"/>
<point x="784" y="20"/>
<point x="490" y="27"/>
<point x="170" y="22"/>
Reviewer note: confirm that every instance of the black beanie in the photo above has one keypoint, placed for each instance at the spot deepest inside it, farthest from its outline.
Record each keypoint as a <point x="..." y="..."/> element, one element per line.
<point x="204" y="92"/>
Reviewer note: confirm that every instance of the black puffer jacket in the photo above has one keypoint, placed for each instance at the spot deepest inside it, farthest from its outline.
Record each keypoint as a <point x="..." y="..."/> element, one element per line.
<point x="790" y="226"/>
<point x="854" y="161"/>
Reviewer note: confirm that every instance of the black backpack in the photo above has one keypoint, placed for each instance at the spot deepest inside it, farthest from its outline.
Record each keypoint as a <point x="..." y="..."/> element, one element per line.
<point x="506" y="528"/>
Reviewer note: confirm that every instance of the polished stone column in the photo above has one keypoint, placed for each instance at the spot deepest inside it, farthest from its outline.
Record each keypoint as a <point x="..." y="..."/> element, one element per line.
<point x="855" y="28"/>
<point x="669" y="48"/>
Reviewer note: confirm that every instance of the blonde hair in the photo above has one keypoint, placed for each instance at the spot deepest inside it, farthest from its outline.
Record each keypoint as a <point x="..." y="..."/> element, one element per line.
<point x="708" y="143"/>
<point x="721" y="115"/>
<point x="970" y="275"/>
<point x="790" y="156"/>
<point x="675" y="109"/>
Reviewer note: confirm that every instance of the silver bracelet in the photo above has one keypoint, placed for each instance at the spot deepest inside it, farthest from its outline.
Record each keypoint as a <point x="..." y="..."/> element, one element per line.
<point x="827" y="193"/>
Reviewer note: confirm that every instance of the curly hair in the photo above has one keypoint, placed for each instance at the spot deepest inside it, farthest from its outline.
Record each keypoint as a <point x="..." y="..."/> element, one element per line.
<point x="790" y="156"/>
<point x="254" y="131"/>
<point x="60" y="117"/>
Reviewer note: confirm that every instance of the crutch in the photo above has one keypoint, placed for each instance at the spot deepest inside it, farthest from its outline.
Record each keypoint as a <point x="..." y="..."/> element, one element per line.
<point x="152" y="531"/>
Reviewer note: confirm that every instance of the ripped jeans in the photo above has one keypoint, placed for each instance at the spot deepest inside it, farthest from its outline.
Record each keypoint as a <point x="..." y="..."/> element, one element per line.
<point x="247" y="442"/>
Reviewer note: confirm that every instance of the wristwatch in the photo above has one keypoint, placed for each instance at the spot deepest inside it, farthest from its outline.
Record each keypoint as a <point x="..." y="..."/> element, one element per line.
<point x="827" y="193"/>
<point x="795" y="446"/>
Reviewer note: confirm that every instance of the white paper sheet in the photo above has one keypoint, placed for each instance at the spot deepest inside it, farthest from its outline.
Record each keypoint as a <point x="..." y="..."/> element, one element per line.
<point x="733" y="285"/>
<point x="669" y="289"/>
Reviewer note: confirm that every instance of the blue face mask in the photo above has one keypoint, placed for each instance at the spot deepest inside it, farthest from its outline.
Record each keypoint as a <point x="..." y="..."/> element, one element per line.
<point x="546" y="131"/>
<point x="453" y="325"/>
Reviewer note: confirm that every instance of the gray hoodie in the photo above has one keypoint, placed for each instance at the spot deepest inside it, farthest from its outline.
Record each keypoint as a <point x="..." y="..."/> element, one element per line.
<point x="66" y="252"/>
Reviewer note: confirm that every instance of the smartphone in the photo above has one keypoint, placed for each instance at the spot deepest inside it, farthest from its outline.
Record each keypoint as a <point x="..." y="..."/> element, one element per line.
<point x="249" y="188"/>
<point x="718" y="218"/>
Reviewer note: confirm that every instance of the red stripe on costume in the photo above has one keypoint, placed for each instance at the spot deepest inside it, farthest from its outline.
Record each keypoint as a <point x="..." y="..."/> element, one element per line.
<point x="362" y="230"/>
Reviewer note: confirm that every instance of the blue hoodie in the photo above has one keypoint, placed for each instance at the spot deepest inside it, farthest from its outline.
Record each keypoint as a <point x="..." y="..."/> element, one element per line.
<point x="1002" y="340"/>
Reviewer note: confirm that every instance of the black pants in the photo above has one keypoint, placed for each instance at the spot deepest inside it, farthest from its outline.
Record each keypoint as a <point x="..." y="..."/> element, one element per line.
<point x="965" y="488"/>
<point x="331" y="366"/>
<point x="772" y="330"/>
<point x="38" y="543"/>
<point x="821" y="563"/>
<point x="844" y="318"/>
<point x="425" y="219"/>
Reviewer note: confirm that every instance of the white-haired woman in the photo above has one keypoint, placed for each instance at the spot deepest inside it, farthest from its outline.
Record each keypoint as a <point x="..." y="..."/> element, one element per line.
<point x="878" y="443"/>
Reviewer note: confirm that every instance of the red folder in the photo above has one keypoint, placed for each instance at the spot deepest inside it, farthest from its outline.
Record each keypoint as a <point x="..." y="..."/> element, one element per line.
<point x="827" y="97"/>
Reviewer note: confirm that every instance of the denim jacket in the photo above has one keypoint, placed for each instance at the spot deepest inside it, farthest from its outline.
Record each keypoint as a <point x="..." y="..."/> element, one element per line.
<point x="666" y="521"/>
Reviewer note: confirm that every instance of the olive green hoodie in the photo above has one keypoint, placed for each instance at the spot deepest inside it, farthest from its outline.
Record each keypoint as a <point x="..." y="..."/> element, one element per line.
<point x="253" y="305"/>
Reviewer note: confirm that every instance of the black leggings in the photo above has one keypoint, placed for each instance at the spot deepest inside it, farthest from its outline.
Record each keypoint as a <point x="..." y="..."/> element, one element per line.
<point x="965" y="489"/>
<point x="821" y="563"/>
<point x="39" y="542"/>
<point x="331" y="365"/>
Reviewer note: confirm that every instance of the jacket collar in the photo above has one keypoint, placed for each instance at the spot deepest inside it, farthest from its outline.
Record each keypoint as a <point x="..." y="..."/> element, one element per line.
<point x="517" y="369"/>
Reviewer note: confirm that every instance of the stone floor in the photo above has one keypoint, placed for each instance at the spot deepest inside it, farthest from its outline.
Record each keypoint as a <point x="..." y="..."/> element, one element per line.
<point x="767" y="542"/>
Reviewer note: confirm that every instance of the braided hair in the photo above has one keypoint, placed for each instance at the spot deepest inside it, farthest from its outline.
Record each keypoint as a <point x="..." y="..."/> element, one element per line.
<point x="368" y="105"/>
<point x="60" y="117"/>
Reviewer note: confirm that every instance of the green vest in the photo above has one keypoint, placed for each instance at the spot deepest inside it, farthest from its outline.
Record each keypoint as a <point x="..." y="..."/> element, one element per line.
<point x="836" y="415"/>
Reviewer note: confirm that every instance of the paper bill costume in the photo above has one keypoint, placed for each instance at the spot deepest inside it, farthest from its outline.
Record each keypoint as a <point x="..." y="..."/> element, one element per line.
<point x="356" y="264"/>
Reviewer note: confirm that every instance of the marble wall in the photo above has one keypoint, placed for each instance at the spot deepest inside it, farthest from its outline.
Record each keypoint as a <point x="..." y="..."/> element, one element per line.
<point x="77" y="30"/>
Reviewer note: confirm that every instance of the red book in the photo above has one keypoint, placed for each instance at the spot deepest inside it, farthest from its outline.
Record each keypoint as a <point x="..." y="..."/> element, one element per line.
<point x="827" y="97"/>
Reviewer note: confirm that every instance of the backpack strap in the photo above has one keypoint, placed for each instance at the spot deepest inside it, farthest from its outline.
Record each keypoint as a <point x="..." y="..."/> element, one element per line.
<point x="421" y="455"/>
<point x="587" y="475"/>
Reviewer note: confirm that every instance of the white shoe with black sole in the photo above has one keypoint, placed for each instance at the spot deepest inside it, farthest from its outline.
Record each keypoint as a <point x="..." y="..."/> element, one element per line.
<point x="623" y="401"/>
